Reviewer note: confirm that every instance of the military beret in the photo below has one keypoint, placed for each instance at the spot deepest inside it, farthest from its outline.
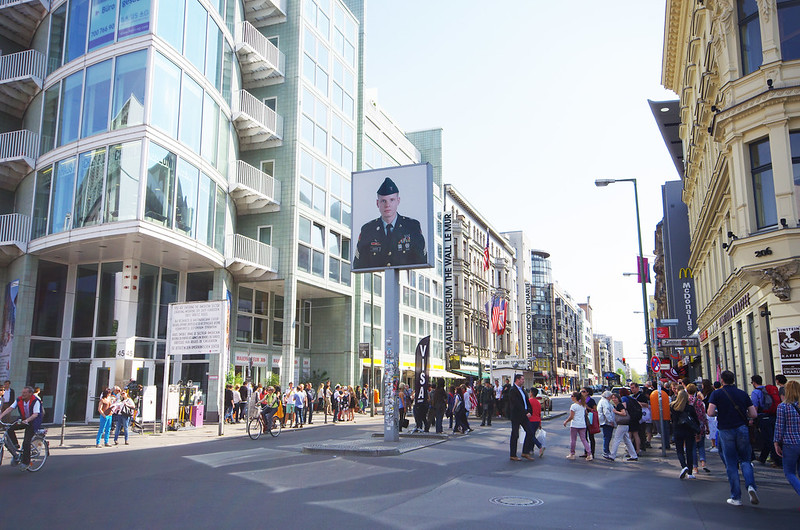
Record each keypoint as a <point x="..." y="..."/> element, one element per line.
<point x="388" y="187"/>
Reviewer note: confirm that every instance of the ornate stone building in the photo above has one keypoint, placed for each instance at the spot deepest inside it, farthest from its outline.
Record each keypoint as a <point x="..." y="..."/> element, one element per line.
<point x="735" y="64"/>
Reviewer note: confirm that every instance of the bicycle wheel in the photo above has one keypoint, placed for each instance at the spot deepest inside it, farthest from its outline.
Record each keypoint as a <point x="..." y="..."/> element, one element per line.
<point x="254" y="428"/>
<point x="39" y="453"/>
<point x="276" y="427"/>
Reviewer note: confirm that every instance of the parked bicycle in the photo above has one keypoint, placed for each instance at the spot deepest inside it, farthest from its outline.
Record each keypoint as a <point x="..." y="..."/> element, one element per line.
<point x="256" y="425"/>
<point x="40" y="448"/>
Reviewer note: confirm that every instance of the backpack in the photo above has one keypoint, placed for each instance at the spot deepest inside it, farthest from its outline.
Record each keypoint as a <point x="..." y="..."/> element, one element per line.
<point x="770" y="400"/>
<point x="634" y="410"/>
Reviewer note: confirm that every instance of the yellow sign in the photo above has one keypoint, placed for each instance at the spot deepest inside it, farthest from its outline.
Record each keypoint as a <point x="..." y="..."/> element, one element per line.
<point x="685" y="272"/>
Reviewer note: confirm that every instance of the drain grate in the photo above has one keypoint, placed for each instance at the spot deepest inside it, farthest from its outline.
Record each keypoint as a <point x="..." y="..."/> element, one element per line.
<point x="523" y="502"/>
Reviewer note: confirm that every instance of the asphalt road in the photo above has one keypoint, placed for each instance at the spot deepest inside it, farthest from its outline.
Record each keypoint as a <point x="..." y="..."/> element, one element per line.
<point x="466" y="482"/>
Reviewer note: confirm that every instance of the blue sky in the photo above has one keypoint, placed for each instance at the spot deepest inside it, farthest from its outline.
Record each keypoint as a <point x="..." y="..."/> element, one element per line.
<point x="536" y="100"/>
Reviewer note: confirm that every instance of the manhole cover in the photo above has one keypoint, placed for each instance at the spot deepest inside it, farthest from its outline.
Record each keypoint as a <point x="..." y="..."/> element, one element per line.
<point x="516" y="501"/>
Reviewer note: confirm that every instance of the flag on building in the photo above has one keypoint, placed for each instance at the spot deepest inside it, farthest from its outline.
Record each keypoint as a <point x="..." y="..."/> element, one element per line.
<point x="498" y="325"/>
<point x="486" y="252"/>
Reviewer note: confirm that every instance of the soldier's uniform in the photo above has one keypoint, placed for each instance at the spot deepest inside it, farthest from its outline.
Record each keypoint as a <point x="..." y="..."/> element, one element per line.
<point x="404" y="246"/>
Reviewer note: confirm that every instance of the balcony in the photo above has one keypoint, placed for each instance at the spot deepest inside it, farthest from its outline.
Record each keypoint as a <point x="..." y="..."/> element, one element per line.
<point x="18" y="151"/>
<point x="20" y="18"/>
<point x="265" y="12"/>
<point x="253" y="190"/>
<point x="250" y="260"/>
<point x="259" y="126"/>
<point x="14" y="234"/>
<point x="21" y="77"/>
<point x="261" y="61"/>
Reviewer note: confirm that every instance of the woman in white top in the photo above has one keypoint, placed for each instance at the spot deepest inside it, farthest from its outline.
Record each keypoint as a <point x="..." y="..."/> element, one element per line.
<point x="577" y="421"/>
<point x="621" y="430"/>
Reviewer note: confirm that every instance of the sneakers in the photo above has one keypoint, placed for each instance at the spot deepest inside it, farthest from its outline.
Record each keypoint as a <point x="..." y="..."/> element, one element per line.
<point x="631" y="459"/>
<point x="713" y="450"/>
<point x="609" y="458"/>
<point x="690" y="477"/>
<point x="98" y="445"/>
<point x="684" y="472"/>
<point x="753" y="495"/>
<point x="108" y="444"/>
<point x="735" y="502"/>
<point x="571" y="457"/>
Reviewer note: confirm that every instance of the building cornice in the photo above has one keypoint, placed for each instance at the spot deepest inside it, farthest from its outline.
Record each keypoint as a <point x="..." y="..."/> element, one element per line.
<point x="670" y="77"/>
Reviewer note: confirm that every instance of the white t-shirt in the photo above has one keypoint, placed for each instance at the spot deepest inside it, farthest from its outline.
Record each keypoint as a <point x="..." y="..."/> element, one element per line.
<point x="579" y="421"/>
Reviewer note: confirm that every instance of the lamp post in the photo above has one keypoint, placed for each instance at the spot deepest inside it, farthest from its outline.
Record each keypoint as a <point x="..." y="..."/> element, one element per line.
<point x="600" y="183"/>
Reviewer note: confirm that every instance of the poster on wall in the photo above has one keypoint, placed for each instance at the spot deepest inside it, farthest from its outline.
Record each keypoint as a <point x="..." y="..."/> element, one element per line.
<point x="9" y="322"/>
<point x="789" y="343"/>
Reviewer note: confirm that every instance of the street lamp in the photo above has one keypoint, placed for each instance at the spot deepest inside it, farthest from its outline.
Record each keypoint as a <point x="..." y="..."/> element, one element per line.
<point x="601" y="183"/>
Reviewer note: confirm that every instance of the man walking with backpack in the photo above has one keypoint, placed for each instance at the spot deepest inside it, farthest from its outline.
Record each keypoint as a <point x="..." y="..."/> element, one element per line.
<point x="766" y="400"/>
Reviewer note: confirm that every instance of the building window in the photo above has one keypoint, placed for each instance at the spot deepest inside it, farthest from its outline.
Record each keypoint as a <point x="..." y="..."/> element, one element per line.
<point x="788" y="24"/>
<point x="311" y="248"/>
<point x="763" y="188"/>
<point x="749" y="36"/>
<point x="313" y="181"/>
<point x="339" y="258"/>
<point x="794" y="145"/>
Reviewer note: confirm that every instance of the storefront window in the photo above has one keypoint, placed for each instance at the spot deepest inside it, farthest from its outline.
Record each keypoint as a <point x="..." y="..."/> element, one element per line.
<point x="199" y="286"/>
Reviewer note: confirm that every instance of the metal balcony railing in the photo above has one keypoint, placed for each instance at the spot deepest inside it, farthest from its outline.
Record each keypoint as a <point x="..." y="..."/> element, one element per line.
<point x="256" y="180"/>
<point x="29" y="63"/>
<point x="250" y="257"/>
<point x="256" y="123"/>
<point x="14" y="229"/>
<point x="261" y="61"/>
<point x="19" y="144"/>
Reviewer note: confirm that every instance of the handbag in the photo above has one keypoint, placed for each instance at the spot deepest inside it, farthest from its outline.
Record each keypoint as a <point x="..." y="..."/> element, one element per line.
<point x="687" y="420"/>
<point x="622" y="420"/>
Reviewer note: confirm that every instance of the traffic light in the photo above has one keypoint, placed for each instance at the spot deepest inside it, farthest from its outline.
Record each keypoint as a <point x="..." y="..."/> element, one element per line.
<point x="623" y="360"/>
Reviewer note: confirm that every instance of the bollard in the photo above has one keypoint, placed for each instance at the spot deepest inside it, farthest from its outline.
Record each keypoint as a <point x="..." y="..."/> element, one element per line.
<point x="63" y="428"/>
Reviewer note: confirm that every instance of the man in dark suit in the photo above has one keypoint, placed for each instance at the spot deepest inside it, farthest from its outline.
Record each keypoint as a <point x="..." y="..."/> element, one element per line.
<point x="518" y="410"/>
<point x="391" y="239"/>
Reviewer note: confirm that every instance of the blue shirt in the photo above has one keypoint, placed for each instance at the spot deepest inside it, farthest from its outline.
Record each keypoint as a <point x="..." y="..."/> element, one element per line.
<point x="787" y="425"/>
<point x="727" y="415"/>
<point x="757" y="397"/>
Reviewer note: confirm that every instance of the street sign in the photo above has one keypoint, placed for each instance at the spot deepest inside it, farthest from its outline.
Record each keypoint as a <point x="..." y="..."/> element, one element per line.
<point x="691" y="341"/>
<point x="662" y="332"/>
<point x="363" y="350"/>
<point x="668" y="322"/>
<point x="666" y="366"/>
<point x="655" y="364"/>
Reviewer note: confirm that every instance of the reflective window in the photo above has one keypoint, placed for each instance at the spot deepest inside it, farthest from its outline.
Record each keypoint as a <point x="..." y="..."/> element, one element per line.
<point x="89" y="188"/>
<point x="223" y="143"/>
<point x="49" y="115"/>
<point x="763" y="187"/>
<point x="227" y="71"/>
<point x="206" y="197"/>
<point x="55" y="48"/>
<point x="160" y="185"/>
<point x="794" y="145"/>
<point x="108" y="306"/>
<point x="48" y="309"/>
<point x="76" y="31"/>
<point x="199" y="286"/>
<point x="147" y="303"/>
<point x="166" y="95"/>
<point x="103" y="23"/>
<point x="169" y="294"/>
<point x="69" y="114"/>
<point x="169" y="24"/>
<point x="85" y="295"/>
<point x="191" y="113"/>
<point x="788" y="24"/>
<point x="214" y="55"/>
<point x="219" y="221"/>
<point x="186" y="197"/>
<point x="196" y="20"/>
<point x="41" y="202"/>
<point x="123" y="181"/>
<point x="61" y="197"/>
<point x="749" y="36"/>
<point x="134" y="18"/>
<point x="96" y="99"/>
<point x="210" y="129"/>
<point x="129" y="83"/>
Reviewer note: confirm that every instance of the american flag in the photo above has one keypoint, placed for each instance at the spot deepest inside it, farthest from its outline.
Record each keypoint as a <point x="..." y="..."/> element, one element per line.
<point x="486" y="252"/>
<point x="498" y="316"/>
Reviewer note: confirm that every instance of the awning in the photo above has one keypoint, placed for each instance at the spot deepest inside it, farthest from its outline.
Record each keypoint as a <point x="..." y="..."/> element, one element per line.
<point x="435" y="372"/>
<point x="461" y="374"/>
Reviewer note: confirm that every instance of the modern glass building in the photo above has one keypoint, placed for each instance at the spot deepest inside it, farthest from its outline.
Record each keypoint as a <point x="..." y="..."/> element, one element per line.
<point x="160" y="151"/>
<point x="542" y="329"/>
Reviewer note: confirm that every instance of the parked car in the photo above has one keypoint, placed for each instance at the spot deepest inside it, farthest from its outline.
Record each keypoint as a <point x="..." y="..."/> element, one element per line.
<point x="544" y="399"/>
<point x="616" y="389"/>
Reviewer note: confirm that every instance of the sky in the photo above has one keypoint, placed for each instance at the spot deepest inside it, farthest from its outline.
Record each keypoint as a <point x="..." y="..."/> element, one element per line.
<point x="536" y="100"/>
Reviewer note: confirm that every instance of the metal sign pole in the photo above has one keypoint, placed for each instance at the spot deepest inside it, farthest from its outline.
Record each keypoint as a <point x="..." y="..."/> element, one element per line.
<point x="664" y="435"/>
<point x="391" y="356"/>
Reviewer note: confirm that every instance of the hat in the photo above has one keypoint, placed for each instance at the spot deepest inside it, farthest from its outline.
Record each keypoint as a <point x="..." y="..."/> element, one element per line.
<point x="388" y="187"/>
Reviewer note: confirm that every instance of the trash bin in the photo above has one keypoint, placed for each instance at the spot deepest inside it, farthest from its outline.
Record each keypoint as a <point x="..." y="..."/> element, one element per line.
<point x="197" y="415"/>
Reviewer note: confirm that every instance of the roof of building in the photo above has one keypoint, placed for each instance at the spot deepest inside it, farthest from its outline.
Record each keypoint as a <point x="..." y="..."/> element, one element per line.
<point x="668" y="118"/>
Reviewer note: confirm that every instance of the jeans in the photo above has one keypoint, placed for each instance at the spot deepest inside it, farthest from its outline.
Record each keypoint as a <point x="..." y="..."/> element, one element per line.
<point x="574" y="433"/>
<point x="608" y="432"/>
<point x="535" y="425"/>
<point x="684" y="446"/>
<point x="735" y="445"/>
<point x="439" y="416"/>
<point x="30" y="430"/>
<point x="105" y="428"/>
<point x="791" y="465"/>
<point x="298" y="415"/>
<point x="122" y="424"/>
<point x="700" y="452"/>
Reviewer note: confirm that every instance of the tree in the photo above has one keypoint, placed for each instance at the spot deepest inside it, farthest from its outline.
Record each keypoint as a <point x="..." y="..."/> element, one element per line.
<point x="621" y="373"/>
<point x="636" y="377"/>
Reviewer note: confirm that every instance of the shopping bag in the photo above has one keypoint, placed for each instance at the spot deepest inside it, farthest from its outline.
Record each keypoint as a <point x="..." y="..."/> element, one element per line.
<point x="541" y="435"/>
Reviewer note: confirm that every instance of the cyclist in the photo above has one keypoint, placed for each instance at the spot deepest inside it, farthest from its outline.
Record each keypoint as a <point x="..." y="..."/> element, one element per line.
<point x="30" y="412"/>
<point x="269" y="406"/>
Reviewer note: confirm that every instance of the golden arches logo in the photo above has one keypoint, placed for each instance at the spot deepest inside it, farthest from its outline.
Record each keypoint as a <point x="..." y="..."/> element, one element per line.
<point x="685" y="272"/>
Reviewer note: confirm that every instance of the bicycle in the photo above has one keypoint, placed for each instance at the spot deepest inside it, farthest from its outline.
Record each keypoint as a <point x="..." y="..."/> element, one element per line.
<point x="255" y="426"/>
<point x="40" y="448"/>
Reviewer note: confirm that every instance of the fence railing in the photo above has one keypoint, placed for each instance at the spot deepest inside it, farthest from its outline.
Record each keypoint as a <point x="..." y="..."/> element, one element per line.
<point x="29" y="63"/>
<point x="262" y="46"/>
<point x="19" y="144"/>
<point x="14" y="228"/>
<point x="247" y="103"/>
<point x="257" y="180"/>
<point x="242" y="248"/>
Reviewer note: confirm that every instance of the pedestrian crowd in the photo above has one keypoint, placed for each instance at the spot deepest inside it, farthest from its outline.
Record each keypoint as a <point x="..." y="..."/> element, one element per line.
<point x="116" y="409"/>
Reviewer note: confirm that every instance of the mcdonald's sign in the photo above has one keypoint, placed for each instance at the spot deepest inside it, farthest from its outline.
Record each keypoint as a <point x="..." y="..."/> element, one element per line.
<point x="685" y="272"/>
